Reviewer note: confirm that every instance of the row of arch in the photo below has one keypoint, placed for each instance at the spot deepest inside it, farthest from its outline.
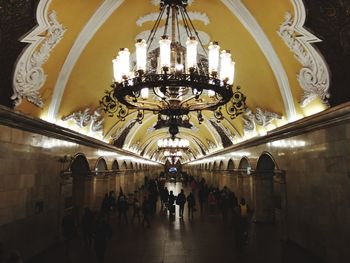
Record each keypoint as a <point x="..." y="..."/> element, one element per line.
<point x="80" y="164"/>
<point x="265" y="162"/>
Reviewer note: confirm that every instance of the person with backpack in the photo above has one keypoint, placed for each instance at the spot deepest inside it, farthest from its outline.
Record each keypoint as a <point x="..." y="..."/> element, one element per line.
<point x="180" y="201"/>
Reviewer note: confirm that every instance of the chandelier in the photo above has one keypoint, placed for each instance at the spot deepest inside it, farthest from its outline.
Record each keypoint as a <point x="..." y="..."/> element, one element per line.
<point x="170" y="143"/>
<point x="175" y="79"/>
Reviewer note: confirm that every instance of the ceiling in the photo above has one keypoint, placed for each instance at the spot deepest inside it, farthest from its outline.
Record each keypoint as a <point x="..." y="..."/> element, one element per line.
<point x="75" y="52"/>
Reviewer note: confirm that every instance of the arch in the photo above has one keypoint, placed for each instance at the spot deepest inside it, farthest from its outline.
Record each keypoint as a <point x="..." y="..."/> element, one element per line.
<point x="101" y="165"/>
<point x="244" y="163"/>
<point x="210" y="165"/>
<point x="79" y="164"/>
<point x="115" y="166"/>
<point x="131" y="166"/>
<point x="124" y="166"/>
<point x="215" y="166"/>
<point x="230" y="165"/>
<point x="206" y="166"/>
<point x="221" y="165"/>
<point x="266" y="162"/>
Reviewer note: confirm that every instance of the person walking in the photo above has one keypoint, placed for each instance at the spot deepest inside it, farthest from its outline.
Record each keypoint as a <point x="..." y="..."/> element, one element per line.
<point x="191" y="205"/>
<point x="171" y="203"/>
<point x="180" y="201"/>
<point x="136" y="212"/>
<point x="123" y="209"/>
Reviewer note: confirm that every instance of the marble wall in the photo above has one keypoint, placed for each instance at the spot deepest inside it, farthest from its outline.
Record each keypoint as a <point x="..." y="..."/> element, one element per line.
<point x="312" y="157"/>
<point x="34" y="191"/>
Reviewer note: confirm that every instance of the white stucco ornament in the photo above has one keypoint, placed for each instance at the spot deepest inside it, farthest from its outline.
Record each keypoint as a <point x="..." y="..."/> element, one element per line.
<point x="29" y="76"/>
<point x="314" y="76"/>
<point x="86" y="118"/>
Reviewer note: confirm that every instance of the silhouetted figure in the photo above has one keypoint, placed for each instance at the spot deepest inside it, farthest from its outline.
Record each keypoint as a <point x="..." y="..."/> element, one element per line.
<point x="164" y="197"/>
<point x="146" y="212"/>
<point x="191" y="205"/>
<point x="211" y="202"/>
<point x="87" y="224"/>
<point x="136" y="211"/>
<point x="111" y="200"/>
<point x="106" y="206"/>
<point x="180" y="201"/>
<point x="201" y="198"/>
<point x="102" y="233"/>
<point x="171" y="203"/>
<point x="123" y="208"/>
<point x="68" y="229"/>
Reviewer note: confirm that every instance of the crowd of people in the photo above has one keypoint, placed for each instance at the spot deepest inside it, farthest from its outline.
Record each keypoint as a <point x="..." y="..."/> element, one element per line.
<point x="96" y="229"/>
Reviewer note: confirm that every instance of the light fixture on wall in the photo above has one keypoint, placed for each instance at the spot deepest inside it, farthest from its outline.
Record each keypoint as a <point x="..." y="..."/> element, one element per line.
<point x="174" y="79"/>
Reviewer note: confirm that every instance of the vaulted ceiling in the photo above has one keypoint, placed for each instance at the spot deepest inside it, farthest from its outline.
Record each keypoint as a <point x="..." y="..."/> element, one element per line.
<point x="63" y="73"/>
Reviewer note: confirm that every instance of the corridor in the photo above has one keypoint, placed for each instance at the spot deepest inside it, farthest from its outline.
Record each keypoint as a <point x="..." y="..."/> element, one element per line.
<point x="169" y="240"/>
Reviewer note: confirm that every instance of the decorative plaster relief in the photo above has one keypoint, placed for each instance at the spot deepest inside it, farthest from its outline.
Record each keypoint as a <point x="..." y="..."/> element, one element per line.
<point x="314" y="76"/>
<point x="85" y="118"/>
<point x="29" y="76"/>
<point x="264" y="118"/>
<point x="260" y="117"/>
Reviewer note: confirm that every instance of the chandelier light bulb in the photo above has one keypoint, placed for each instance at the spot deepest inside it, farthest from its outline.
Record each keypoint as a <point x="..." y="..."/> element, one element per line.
<point x="117" y="73"/>
<point x="144" y="93"/>
<point x="191" y="52"/>
<point x="211" y="93"/>
<point x="226" y="65"/>
<point x="124" y="60"/>
<point x="141" y="54"/>
<point x="213" y="57"/>
<point x="165" y="54"/>
<point x="179" y="68"/>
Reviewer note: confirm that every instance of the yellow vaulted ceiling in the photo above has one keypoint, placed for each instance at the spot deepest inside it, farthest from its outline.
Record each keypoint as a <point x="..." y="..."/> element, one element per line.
<point x="92" y="73"/>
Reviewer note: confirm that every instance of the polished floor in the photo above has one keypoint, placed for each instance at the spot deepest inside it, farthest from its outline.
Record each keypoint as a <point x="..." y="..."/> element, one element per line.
<point x="206" y="239"/>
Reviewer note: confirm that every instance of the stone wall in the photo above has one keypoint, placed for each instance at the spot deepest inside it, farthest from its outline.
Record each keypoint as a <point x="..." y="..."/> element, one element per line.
<point x="313" y="158"/>
<point x="34" y="191"/>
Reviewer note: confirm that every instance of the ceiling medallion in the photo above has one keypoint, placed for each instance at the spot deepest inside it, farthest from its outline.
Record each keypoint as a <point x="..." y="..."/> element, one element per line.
<point x="175" y="80"/>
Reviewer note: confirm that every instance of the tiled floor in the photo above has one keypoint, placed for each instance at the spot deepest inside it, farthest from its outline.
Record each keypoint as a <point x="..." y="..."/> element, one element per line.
<point x="206" y="239"/>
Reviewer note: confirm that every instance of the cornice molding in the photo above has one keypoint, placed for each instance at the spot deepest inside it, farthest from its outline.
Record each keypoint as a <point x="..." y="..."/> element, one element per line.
<point x="314" y="76"/>
<point x="96" y="21"/>
<point x="253" y="27"/>
<point x="23" y="122"/>
<point x="29" y="76"/>
<point x="331" y="117"/>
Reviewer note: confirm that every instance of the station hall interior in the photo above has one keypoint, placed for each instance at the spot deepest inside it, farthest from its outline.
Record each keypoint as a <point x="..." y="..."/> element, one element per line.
<point x="117" y="99"/>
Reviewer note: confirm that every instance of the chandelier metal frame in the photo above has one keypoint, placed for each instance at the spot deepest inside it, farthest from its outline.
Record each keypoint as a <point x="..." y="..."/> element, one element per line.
<point x="180" y="84"/>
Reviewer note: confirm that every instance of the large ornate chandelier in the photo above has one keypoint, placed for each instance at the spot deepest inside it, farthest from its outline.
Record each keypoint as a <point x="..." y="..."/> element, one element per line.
<point x="174" y="79"/>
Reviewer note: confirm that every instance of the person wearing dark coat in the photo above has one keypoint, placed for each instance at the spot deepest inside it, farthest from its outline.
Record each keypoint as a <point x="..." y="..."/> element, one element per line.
<point x="171" y="205"/>
<point x="180" y="201"/>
